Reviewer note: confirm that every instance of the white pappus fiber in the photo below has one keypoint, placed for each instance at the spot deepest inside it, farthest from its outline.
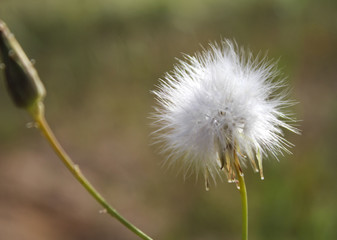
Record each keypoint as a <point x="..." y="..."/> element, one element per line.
<point x="219" y="109"/>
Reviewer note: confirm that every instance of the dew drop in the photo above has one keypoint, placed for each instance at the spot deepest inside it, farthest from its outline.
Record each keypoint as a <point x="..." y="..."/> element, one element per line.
<point x="11" y="53"/>
<point x="102" y="211"/>
<point x="31" y="125"/>
<point x="33" y="61"/>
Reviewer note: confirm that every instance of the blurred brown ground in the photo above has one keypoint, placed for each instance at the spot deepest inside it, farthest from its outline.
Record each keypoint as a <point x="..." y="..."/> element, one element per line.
<point x="100" y="59"/>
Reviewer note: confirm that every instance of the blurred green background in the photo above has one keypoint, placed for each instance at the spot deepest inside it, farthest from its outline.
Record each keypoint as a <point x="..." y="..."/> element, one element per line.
<point x="100" y="59"/>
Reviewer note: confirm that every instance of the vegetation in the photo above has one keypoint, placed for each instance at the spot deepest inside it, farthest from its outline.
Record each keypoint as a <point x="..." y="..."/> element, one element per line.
<point x="100" y="59"/>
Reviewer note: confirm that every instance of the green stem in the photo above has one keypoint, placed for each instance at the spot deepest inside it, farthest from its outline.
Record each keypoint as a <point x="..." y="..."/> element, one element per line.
<point x="38" y="115"/>
<point x="244" y="202"/>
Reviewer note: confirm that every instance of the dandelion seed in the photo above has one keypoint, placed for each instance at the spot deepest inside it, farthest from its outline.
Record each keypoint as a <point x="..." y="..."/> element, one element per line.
<point x="219" y="109"/>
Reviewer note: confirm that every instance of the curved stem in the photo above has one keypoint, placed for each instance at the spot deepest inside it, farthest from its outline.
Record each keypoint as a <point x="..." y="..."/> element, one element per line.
<point x="39" y="117"/>
<point x="244" y="200"/>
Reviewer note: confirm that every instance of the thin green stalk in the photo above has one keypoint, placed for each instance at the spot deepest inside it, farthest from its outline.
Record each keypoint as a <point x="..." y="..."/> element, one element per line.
<point x="244" y="200"/>
<point x="27" y="92"/>
<point x="38" y="115"/>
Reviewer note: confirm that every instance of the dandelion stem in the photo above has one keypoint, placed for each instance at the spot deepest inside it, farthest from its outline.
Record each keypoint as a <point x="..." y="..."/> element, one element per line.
<point x="244" y="200"/>
<point x="38" y="115"/>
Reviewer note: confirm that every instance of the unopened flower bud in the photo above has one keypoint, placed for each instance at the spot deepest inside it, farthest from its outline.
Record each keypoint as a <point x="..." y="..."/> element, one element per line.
<point x="22" y="80"/>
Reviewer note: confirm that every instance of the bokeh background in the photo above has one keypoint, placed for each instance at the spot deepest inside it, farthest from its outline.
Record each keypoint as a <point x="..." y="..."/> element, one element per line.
<point x="100" y="59"/>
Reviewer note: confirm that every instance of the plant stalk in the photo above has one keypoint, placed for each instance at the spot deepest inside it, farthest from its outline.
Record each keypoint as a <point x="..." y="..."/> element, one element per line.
<point x="244" y="200"/>
<point x="39" y="117"/>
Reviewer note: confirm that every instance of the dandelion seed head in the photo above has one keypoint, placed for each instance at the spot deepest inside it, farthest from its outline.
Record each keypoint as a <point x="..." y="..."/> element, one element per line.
<point x="219" y="107"/>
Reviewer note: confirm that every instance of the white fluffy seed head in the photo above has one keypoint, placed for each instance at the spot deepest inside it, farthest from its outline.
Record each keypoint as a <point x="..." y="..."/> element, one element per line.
<point x="219" y="108"/>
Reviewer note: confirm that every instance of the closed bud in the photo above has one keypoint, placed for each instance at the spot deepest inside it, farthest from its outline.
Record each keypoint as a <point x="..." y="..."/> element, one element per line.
<point x="22" y="80"/>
